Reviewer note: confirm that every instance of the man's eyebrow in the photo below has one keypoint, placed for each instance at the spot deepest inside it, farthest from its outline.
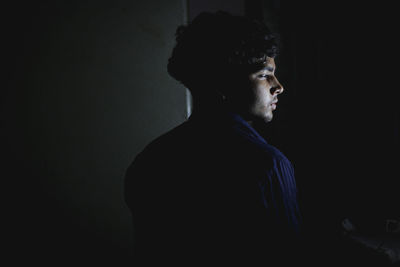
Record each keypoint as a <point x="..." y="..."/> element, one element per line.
<point x="267" y="68"/>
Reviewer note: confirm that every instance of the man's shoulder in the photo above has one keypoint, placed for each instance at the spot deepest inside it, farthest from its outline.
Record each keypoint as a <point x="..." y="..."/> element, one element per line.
<point x="169" y="138"/>
<point x="158" y="152"/>
<point x="176" y="142"/>
<point x="204" y="140"/>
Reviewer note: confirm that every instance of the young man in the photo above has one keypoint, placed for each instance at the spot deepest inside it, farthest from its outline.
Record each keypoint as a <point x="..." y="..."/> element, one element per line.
<point x="212" y="190"/>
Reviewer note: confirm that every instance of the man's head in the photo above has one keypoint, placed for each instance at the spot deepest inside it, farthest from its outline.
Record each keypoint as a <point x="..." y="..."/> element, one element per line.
<point x="220" y="54"/>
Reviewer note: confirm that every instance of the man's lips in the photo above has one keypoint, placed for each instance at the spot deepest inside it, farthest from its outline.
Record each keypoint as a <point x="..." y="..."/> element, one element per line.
<point x="273" y="104"/>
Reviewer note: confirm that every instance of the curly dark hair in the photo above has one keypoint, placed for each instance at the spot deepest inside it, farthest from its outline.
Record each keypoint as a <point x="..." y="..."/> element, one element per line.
<point x="217" y="44"/>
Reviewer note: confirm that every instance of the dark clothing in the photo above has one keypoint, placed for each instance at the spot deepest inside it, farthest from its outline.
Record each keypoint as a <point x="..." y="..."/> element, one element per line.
<point x="213" y="190"/>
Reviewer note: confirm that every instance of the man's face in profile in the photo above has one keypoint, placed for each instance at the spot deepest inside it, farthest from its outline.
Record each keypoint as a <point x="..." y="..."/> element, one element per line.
<point x="261" y="97"/>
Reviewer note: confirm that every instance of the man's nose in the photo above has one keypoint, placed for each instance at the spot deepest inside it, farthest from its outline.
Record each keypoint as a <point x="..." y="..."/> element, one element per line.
<point x="277" y="87"/>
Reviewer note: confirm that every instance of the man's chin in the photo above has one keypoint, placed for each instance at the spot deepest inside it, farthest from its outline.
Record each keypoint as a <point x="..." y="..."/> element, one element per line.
<point x="266" y="118"/>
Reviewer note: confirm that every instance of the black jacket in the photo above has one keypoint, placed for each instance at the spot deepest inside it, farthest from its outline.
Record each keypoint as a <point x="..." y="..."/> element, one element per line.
<point x="213" y="191"/>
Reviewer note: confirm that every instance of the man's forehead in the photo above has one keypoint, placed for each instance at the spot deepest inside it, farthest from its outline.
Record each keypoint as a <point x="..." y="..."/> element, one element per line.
<point x="268" y="64"/>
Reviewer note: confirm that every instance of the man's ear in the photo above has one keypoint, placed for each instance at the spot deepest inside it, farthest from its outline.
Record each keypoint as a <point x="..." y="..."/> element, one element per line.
<point x="221" y="94"/>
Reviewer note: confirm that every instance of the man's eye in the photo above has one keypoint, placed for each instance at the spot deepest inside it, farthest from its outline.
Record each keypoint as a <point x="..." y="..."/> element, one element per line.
<point x="263" y="76"/>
